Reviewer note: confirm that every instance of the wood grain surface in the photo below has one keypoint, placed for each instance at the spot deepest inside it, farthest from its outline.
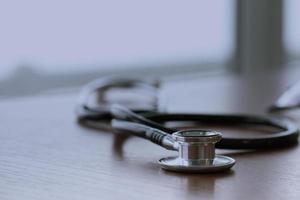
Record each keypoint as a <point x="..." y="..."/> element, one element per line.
<point x="45" y="154"/>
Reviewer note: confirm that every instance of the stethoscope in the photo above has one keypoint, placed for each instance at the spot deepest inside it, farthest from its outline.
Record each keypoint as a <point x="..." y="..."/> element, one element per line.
<point x="196" y="148"/>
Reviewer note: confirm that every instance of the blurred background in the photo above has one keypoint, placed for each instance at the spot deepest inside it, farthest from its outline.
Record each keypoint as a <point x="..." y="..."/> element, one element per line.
<point x="62" y="44"/>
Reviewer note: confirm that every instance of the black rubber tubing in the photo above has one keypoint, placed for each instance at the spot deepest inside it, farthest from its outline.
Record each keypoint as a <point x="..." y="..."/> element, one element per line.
<point x="287" y="136"/>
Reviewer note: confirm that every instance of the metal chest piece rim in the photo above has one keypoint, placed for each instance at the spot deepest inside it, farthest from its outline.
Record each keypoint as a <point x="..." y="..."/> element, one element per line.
<point x="196" y="153"/>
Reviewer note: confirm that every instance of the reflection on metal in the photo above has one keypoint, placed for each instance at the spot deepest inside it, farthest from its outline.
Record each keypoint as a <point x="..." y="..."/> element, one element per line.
<point x="288" y="100"/>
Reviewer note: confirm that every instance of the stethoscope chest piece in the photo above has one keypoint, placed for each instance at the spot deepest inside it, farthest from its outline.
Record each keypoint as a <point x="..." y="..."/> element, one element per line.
<point x="196" y="150"/>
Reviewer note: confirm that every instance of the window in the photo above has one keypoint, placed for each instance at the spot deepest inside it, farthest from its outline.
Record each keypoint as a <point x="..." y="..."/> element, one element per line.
<point x="56" y="36"/>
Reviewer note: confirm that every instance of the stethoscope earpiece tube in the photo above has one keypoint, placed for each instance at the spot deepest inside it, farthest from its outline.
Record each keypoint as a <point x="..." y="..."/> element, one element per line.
<point x="121" y="112"/>
<point x="154" y="135"/>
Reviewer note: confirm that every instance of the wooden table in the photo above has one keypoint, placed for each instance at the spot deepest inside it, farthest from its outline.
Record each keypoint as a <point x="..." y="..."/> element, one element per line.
<point x="45" y="154"/>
